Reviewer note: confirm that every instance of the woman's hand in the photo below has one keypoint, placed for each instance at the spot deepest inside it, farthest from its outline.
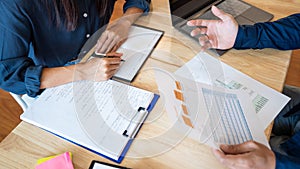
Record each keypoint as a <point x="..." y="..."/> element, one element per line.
<point x="117" y="32"/>
<point x="113" y="37"/>
<point x="99" y="69"/>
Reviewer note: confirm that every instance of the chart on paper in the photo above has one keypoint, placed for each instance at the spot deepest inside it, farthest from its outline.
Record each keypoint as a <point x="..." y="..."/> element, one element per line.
<point x="226" y="117"/>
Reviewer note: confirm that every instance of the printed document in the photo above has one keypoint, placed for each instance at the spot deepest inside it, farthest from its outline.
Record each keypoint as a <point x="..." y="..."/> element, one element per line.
<point x="209" y="114"/>
<point x="91" y="114"/>
<point x="206" y="69"/>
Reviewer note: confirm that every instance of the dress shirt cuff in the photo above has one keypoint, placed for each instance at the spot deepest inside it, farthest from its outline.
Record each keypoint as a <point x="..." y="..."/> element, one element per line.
<point x="32" y="80"/>
<point x="142" y="4"/>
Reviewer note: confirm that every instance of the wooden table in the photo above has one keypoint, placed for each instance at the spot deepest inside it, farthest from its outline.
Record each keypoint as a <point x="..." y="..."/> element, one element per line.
<point x="27" y="143"/>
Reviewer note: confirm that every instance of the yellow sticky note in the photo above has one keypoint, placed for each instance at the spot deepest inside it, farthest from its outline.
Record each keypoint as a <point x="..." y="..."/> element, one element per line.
<point x="40" y="161"/>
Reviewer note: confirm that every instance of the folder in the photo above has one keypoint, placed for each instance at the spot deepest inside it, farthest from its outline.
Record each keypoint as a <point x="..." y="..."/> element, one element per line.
<point x="92" y="115"/>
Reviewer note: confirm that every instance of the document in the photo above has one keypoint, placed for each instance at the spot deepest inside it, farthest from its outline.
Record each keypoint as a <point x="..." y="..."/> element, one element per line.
<point x="94" y="115"/>
<point x="206" y="69"/>
<point x="136" y="49"/>
<point x="209" y="114"/>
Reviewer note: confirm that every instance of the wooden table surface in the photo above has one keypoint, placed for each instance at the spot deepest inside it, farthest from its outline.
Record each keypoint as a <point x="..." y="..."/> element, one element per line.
<point x="27" y="143"/>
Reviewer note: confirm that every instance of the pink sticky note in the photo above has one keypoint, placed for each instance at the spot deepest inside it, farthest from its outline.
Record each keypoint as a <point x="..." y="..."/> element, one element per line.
<point x="62" y="161"/>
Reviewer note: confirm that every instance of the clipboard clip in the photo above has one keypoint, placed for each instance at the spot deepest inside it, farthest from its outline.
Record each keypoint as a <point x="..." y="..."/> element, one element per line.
<point x="135" y="123"/>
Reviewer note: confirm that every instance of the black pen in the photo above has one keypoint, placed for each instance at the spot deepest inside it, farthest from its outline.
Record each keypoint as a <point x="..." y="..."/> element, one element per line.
<point x="103" y="55"/>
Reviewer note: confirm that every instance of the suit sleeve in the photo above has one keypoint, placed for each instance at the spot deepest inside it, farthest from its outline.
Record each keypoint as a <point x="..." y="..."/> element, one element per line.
<point x="283" y="34"/>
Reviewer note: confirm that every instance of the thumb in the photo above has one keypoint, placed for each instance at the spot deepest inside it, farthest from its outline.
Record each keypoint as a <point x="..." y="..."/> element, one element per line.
<point x="219" y="13"/>
<point x="238" y="148"/>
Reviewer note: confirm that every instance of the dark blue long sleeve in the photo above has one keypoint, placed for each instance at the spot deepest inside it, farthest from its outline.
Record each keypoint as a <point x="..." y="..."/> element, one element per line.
<point x="286" y="162"/>
<point x="292" y="159"/>
<point x="30" y="40"/>
<point x="283" y="34"/>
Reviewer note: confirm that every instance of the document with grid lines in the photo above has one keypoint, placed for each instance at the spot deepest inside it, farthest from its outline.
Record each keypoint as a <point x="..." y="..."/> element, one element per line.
<point x="209" y="114"/>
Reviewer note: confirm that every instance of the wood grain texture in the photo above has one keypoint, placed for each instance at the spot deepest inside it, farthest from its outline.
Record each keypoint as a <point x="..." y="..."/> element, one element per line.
<point x="293" y="75"/>
<point x="27" y="143"/>
<point x="10" y="112"/>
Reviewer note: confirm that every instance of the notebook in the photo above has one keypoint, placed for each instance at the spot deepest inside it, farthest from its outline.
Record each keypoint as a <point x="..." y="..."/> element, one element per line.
<point x="244" y="13"/>
<point x="103" y="117"/>
<point x="136" y="49"/>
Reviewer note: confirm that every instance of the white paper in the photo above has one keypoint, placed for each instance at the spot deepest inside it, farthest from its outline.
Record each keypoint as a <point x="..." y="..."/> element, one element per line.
<point x="206" y="69"/>
<point x="212" y="115"/>
<point x="91" y="114"/>
<point x="136" y="50"/>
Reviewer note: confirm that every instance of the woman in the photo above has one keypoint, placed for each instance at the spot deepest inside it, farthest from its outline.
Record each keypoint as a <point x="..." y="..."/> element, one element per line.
<point x="37" y="38"/>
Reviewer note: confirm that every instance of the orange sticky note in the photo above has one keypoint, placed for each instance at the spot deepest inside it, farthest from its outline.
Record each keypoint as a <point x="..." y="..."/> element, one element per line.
<point x="62" y="161"/>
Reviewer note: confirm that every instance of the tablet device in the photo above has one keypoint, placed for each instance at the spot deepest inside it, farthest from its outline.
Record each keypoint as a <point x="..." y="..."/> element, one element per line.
<point x="102" y="165"/>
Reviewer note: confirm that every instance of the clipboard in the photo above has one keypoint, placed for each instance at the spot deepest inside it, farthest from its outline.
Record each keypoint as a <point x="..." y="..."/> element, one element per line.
<point x="133" y="135"/>
<point x="149" y="109"/>
<point x="41" y="116"/>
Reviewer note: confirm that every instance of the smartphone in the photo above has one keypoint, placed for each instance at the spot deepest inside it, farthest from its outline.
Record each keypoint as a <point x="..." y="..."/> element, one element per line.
<point x="102" y="165"/>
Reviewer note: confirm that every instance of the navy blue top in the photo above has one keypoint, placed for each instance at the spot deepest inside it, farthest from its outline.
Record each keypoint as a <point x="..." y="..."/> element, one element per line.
<point x="30" y="40"/>
<point x="283" y="34"/>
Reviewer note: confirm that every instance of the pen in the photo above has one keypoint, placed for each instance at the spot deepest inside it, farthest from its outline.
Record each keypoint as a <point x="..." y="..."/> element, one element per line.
<point x="103" y="55"/>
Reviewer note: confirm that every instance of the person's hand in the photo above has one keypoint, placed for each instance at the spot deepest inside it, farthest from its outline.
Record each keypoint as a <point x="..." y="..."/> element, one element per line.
<point x="113" y="37"/>
<point x="245" y="156"/>
<point x="99" y="69"/>
<point x="219" y="34"/>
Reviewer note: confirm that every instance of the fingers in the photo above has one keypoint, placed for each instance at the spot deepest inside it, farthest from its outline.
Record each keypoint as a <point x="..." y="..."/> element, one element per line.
<point x="239" y="148"/>
<point x="107" y="41"/>
<point x="105" y="67"/>
<point x="109" y="63"/>
<point x="109" y="75"/>
<point x="113" y="43"/>
<point x="219" y="13"/>
<point x="197" y="31"/>
<point x="101" y="40"/>
<point x="235" y="156"/>
<point x="233" y="161"/>
<point x="114" y="55"/>
<point x="205" y="42"/>
<point x="116" y="47"/>
<point x="198" y="22"/>
<point x="202" y="22"/>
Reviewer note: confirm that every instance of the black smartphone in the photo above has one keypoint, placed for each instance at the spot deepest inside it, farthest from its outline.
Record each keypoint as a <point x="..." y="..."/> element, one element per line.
<point x="102" y="165"/>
